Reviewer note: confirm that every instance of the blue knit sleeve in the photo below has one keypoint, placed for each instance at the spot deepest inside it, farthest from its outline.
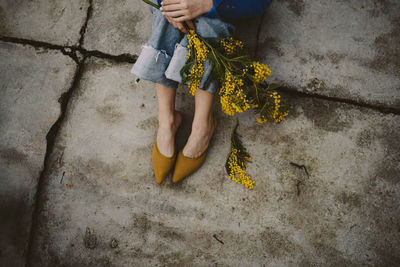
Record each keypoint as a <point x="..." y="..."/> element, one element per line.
<point x="213" y="13"/>
<point x="237" y="9"/>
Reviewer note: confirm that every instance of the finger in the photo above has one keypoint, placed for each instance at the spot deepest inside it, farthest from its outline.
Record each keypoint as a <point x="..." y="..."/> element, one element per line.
<point x="182" y="18"/>
<point x="177" y="25"/>
<point x="182" y="28"/>
<point x="190" y="24"/>
<point x="169" y="20"/>
<point x="173" y="7"/>
<point x="175" y="14"/>
<point x="170" y="2"/>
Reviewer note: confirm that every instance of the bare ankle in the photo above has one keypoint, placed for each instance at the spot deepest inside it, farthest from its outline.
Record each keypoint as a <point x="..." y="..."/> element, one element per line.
<point x="169" y="121"/>
<point x="204" y="124"/>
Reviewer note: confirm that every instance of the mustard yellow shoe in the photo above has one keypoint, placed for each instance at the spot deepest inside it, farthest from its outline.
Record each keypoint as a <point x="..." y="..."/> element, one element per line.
<point x="185" y="166"/>
<point x="162" y="165"/>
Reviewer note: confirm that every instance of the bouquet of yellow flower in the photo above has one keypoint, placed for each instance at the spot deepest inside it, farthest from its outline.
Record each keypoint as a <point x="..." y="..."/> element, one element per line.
<point x="242" y="85"/>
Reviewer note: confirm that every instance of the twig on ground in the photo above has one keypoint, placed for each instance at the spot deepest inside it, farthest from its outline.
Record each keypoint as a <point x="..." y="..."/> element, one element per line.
<point x="220" y="241"/>
<point x="299" y="182"/>
<point x="62" y="177"/>
<point x="298" y="186"/>
<point x="300" y="167"/>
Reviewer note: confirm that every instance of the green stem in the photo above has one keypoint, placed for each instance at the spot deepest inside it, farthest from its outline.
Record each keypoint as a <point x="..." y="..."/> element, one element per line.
<point x="151" y="3"/>
<point x="258" y="98"/>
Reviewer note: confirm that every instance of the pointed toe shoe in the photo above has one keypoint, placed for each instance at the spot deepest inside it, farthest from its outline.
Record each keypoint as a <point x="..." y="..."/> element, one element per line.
<point x="162" y="165"/>
<point x="185" y="166"/>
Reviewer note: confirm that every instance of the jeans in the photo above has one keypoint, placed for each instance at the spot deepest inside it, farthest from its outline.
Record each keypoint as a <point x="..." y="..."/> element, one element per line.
<point x="164" y="54"/>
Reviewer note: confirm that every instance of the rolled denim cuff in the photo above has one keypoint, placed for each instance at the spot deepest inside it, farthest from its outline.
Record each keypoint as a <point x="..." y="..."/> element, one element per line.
<point x="151" y="65"/>
<point x="178" y="61"/>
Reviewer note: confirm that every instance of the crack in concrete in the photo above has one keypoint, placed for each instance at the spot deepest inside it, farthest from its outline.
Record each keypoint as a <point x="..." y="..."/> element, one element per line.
<point x="258" y="34"/>
<point x="377" y="107"/>
<point x="50" y="139"/>
<point x="123" y="58"/>
<point x="84" y="26"/>
<point x="71" y="51"/>
<point x="39" y="44"/>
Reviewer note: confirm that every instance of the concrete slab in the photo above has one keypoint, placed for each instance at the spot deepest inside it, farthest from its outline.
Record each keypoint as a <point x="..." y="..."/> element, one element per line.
<point x="102" y="207"/>
<point x="118" y="27"/>
<point x="346" y="49"/>
<point x="56" y="22"/>
<point x="31" y="82"/>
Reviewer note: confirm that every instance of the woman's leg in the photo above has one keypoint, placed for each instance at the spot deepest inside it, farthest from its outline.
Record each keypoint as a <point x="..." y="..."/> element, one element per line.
<point x="168" y="119"/>
<point x="203" y="125"/>
<point x="151" y="65"/>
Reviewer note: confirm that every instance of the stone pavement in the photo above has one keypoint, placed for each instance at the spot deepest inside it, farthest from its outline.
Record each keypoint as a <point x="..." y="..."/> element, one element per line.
<point x="76" y="135"/>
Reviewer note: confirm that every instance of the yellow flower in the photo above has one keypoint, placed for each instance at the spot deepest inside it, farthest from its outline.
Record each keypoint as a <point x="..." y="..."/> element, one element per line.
<point x="231" y="46"/>
<point x="233" y="99"/>
<point x="261" y="120"/>
<point x="277" y="114"/>
<point x="261" y="72"/>
<point x="237" y="172"/>
<point x="201" y="54"/>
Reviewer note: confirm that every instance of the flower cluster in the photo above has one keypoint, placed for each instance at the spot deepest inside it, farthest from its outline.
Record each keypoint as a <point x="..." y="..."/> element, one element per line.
<point x="277" y="115"/>
<point x="231" y="45"/>
<point x="272" y="108"/>
<point x="237" y="171"/>
<point x="236" y="162"/>
<point x="199" y="51"/>
<point x="261" y="120"/>
<point x="232" y="97"/>
<point x="261" y="72"/>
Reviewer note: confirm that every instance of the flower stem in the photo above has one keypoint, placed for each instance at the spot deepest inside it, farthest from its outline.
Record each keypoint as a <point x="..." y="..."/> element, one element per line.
<point x="151" y="3"/>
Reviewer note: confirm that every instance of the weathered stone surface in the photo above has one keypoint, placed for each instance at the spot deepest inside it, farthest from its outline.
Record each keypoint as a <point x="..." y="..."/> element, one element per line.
<point x="347" y="49"/>
<point x="346" y="212"/>
<point x="57" y="22"/>
<point x="118" y="27"/>
<point x="31" y="82"/>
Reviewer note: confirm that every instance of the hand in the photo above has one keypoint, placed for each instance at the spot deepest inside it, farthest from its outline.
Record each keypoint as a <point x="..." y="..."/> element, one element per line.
<point x="184" y="10"/>
<point x="180" y="25"/>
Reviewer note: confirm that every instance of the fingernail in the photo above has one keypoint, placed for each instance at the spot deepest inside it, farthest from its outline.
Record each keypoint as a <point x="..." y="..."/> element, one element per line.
<point x="161" y="8"/>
